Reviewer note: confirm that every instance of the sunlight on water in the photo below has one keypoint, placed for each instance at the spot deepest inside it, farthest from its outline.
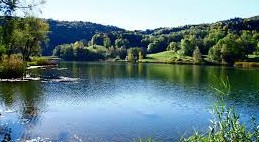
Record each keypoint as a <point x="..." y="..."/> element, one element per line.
<point x="119" y="102"/>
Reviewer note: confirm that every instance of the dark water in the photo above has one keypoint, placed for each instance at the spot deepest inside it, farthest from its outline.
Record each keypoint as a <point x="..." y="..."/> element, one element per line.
<point x="121" y="102"/>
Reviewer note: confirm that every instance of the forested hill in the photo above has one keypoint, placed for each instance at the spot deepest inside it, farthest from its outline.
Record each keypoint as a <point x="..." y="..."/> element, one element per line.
<point x="235" y="24"/>
<point x="224" y="41"/>
<point x="62" y="32"/>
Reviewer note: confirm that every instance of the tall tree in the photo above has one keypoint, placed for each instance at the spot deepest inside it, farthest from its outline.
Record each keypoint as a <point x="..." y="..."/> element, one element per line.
<point x="8" y="10"/>
<point x="32" y="32"/>
<point x="188" y="45"/>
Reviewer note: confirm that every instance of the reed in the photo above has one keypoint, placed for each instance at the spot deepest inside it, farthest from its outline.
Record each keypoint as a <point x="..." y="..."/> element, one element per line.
<point x="12" y="67"/>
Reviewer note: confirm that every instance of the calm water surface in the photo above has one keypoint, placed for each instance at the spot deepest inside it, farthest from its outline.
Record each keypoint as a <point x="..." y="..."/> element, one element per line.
<point x="121" y="101"/>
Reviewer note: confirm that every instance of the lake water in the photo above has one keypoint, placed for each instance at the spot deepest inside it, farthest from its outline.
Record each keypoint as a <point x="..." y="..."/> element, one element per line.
<point x="121" y="102"/>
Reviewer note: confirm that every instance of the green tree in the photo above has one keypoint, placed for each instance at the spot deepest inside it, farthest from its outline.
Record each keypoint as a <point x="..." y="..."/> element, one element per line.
<point x="140" y="56"/>
<point x="10" y="24"/>
<point x="107" y="42"/>
<point x="159" y="45"/>
<point x="247" y="42"/>
<point x="227" y="50"/>
<point x="8" y="8"/>
<point x="197" y="55"/>
<point x="121" y="43"/>
<point x="97" y="39"/>
<point x="257" y="49"/>
<point x="29" y="35"/>
<point x="67" y="52"/>
<point x="212" y="39"/>
<point x="188" y="45"/>
<point x="173" y="46"/>
<point x="130" y="57"/>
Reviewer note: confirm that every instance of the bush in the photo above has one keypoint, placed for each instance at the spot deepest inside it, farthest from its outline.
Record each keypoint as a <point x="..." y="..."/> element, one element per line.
<point x="12" y="67"/>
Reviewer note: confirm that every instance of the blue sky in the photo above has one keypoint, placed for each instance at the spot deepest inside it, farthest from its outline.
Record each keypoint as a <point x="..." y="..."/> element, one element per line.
<point x="149" y="14"/>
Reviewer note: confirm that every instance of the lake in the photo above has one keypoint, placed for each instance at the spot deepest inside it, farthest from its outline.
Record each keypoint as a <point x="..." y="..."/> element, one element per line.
<point x="121" y="102"/>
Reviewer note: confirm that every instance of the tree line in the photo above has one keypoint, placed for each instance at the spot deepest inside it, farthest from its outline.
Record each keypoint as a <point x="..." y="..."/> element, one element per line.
<point x="222" y="42"/>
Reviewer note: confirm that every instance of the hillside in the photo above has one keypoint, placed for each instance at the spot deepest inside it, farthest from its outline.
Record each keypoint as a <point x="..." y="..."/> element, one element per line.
<point x="62" y="32"/>
<point x="224" y="41"/>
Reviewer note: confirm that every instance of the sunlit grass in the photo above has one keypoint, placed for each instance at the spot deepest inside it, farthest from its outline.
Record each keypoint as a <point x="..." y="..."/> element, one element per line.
<point x="12" y="67"/>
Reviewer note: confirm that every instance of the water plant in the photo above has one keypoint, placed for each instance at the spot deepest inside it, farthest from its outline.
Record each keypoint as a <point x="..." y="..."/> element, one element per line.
<point x="225" y="124"/>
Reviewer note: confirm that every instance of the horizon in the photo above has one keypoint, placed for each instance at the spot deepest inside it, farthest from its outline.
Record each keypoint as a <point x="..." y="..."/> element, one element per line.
<point x="148" y="14"/>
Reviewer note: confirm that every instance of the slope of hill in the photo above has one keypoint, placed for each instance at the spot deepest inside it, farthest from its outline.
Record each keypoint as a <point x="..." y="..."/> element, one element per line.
<point x="224" y="41"/>
<point x="62" y="32"/>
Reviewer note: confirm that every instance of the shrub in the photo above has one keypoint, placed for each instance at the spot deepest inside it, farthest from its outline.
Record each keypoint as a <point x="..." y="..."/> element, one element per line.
<point x="12" y="67"/>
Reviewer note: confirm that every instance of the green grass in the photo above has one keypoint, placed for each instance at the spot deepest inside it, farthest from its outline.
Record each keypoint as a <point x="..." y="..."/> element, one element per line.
<point x="162" y="56"/>
<point x="168" y="57"/>
<point x="44" y="60"/>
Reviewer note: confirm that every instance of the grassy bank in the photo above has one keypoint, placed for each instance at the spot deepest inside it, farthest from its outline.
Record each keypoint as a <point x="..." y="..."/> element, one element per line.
<point x="44" y="61"/>
<point x="170" y="57"/>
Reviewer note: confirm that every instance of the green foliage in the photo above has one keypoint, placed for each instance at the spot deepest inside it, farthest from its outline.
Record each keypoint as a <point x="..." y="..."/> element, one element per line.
<point x="148" y="140"/>
<point x="188" y="45"/>
<point x="12" y="67"/>
<point x="43" y="61"/>
<point x="23" y="36"/>
<point x="197" y="55"/>
<point x="2" y="50"/>
<point x="247" y="42"/>
<point x="225" y="41"/>
<point x="135" y="53"/>
<point x="227" y="50"/>
<point x="121" y="43"/>
<point x="173" y="46"/>
<point x="130" y="56"/>
<point x="107" y="42"/>
<point x="97" y="39"/>
<point x="28" y="36"/>
<point x="77" y="52"/>
<point x="140" y="56"/>
<point x="225" y="125"/>
<point x="64" y="32"/>
<point x="158" y="45"/>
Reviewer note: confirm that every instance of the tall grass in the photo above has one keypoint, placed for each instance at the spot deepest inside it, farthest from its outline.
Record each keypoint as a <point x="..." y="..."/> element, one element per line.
<point x="247" y="64"/>
<point x="12" y="67"/>
<point x="225" y="125"/>
<point x="43" y="61"/>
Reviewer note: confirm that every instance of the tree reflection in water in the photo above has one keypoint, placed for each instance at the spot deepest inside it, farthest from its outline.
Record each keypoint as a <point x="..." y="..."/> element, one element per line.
<point x="24" y="98"/>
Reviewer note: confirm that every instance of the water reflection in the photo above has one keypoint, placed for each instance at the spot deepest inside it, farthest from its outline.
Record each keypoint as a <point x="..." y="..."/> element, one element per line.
<point x="25" y="100"/>
<point x="120" y="101"/>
